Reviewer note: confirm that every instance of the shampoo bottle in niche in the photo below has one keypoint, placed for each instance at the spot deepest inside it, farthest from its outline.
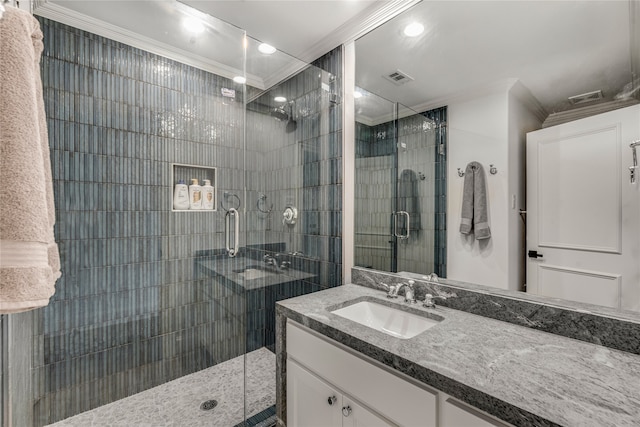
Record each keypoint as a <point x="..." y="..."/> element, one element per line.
<point x="207" y="195"/>
<point x="195" y="195"/>
<point x="181" y="196"/>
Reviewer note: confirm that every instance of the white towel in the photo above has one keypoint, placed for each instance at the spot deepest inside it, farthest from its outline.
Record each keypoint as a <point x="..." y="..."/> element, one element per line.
<point x="474" y="216"/>
<point x="29" y="259"/>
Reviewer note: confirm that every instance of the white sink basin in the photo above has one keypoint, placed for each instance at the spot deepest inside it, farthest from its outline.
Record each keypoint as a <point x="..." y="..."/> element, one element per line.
<point x="391" y="321"/>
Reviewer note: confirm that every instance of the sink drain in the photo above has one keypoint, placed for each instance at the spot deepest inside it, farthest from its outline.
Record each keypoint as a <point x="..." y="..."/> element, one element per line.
<point x="209" y="405"/>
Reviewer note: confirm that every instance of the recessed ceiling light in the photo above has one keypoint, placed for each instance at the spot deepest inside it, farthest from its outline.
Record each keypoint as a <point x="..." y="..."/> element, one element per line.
<point x="414" y="29"/>
<point x="266" y="48"/>
<point x="357" y="94"/>
<point x="240" y="80"/>
<point x="193" y="25"/>
<point x="280" y="99"/>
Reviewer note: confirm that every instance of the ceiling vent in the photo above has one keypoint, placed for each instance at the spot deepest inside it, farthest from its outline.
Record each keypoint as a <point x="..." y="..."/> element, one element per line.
<point x="596" y="95"/>
<point x="398" y="77"/>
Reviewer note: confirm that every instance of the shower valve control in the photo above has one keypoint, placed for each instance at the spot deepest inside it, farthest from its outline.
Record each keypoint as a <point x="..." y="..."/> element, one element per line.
<point x="290" y="215"/>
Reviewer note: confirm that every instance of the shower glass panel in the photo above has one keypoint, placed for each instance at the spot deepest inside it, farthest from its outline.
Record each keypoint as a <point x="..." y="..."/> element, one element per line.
<point x="399" y="190"/>
<point x="145" y="296"/>
<point x="150" y="294"/>
<point x="293" y="206"/>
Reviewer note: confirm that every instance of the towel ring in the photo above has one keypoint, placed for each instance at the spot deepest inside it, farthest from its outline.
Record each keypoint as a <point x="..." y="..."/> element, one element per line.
<point x="227" y="194"/>
<point x="260" y="204"/>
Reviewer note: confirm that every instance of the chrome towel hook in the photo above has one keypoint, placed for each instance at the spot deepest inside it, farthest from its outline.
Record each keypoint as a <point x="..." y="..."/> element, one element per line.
<point x="226" y="195"/>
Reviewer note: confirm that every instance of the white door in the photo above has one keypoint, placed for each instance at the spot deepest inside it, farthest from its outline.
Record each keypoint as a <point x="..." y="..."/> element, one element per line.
<point x="583" y="214"/>
<point x="311" y="401"/>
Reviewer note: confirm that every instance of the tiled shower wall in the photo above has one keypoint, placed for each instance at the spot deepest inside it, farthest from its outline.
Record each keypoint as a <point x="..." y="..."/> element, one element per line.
<point x="130" y="310"/>
<point x="303" y="169"/>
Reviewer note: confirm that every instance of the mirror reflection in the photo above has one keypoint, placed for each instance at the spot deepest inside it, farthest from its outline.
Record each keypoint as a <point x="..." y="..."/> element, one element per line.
<point x="538" y="100"/>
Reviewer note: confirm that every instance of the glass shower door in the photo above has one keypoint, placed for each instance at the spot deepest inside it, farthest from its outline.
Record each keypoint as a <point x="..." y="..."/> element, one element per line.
<point x="399" y="188"/>
<point x="414" y="201"/>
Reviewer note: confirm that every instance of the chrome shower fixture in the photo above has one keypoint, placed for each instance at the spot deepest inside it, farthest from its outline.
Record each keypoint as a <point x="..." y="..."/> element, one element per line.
<point x="279" y="114"/>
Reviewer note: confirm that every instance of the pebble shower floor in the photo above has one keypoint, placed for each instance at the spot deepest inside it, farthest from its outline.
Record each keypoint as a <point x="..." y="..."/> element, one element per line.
<point x="177" y="403"/>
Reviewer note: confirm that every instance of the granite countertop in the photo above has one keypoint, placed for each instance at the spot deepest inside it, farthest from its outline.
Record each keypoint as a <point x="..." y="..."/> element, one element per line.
<point x="260" y="276"/>
<point x="523" y="376"/>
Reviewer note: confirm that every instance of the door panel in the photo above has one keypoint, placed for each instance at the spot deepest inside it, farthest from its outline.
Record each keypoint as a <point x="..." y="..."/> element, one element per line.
<point x="308" y="401"/>
<point x="570" y="217"/>
<point x="579" y="285"/>
<point x="583" y="214"/>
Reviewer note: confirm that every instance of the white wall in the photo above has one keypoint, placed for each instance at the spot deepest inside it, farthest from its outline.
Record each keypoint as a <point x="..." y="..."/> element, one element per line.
<point x="489" y="128"/>
<point x="524" y="116"/>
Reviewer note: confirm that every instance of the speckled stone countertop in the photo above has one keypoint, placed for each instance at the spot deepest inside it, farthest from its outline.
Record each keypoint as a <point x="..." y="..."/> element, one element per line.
<point x="520" y="375"/>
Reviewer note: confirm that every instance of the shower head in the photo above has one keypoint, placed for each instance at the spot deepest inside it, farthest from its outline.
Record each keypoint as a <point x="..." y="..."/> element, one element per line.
<point x="279" y="114"/>
<point x="292" y="125"/>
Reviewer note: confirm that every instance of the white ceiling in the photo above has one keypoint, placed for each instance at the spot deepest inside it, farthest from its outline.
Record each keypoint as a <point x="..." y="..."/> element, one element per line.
<point x="294" y="27"/>
<point x="555" y="48"/>
<point x="304" y="29"/>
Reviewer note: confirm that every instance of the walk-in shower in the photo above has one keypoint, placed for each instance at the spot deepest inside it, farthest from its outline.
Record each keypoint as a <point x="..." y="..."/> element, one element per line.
<point x="400" y="187"/>
<point x="149" y="294"/>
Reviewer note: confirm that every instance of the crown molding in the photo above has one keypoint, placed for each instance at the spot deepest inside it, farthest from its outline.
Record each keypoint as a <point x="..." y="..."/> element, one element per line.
<point x="356" y="27"/>
<point x="524" y="95"/>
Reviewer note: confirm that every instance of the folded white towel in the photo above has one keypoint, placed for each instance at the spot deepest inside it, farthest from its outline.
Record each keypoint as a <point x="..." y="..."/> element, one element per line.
<point x="29" y="259"/>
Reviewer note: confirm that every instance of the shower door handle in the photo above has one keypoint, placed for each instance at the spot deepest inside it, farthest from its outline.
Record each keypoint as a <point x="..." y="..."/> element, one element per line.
<point x="232" y="247"/>
<point x="395" y="224"/>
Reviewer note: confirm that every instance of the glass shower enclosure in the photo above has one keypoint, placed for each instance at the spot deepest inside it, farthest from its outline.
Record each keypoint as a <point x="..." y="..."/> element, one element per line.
<point x="150" y="293"/>
<point x="400" y="187"/>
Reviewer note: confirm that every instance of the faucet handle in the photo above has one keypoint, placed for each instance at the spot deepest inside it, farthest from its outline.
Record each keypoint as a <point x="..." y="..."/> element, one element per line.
<point x="411" y="283"/>
<point x="392" y="290"/>
<point x="428" y="301"/>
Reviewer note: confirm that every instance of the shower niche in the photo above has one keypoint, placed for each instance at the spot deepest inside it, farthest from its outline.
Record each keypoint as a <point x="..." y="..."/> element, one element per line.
<point x="186" y="173"/>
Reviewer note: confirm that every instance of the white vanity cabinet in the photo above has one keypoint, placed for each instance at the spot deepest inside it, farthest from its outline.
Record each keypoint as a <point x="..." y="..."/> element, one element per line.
<point x="376" y="396"/>
<point x="325" y="378"/>
<point x="314" y="403"/>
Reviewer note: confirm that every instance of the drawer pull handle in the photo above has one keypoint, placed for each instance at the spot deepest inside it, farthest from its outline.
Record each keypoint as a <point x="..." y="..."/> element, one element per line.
<point x="346" y="410"/>
<point x="331" y="400"/>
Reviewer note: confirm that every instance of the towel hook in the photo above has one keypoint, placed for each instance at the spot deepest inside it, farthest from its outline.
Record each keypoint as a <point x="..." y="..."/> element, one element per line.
<point x="226" y="195"/>
<point x="493" y="170"/>
<point x="261" y="204"/>
<point x="460" y="173"/>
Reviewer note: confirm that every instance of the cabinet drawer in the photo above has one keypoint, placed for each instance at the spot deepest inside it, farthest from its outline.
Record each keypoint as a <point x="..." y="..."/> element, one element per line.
<point x="397" y="399"/>
<point x="456" y="414"/>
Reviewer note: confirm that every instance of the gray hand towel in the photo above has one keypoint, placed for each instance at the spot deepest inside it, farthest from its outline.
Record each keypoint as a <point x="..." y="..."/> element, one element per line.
<point x="29" y="260"/>
<point x="474" y="217"/>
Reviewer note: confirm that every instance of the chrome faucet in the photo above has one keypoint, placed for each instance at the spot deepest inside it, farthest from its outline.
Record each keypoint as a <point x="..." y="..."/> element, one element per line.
<point x="275" y="260"/>
<point x="409" y="295"/>
<point x="392" y="291"/>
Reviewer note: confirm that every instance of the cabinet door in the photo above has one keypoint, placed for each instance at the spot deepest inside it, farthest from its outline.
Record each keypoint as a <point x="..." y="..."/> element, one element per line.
<point x="455" y="414"/>
<point x="310" y="401"/>
<point x="355" y="415"/>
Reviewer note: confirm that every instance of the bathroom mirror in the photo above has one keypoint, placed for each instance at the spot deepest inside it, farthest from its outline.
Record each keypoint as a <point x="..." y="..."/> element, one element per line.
<point x="474" y="55"/>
